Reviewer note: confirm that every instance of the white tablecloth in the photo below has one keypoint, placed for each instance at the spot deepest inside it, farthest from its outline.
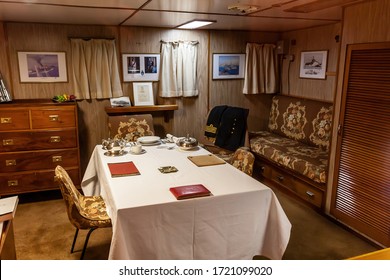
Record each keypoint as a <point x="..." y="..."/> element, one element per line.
<point x="243" y="218"/>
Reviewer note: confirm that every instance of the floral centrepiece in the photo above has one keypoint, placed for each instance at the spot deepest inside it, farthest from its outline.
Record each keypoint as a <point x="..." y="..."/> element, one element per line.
<point x="64" y="98"/>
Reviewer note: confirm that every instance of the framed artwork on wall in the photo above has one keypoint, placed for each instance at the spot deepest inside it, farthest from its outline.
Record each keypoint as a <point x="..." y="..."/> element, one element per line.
<point x="140" y="67"/>
<point x="123" y="101"/>
<point x="228" y="66"/>
<point x="143" y="94"/>
<point x="42" y="67"/>
<point x="313" y="64"/>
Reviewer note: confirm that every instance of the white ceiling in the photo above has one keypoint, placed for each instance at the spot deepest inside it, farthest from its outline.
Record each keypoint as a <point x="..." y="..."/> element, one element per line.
<point x="273" y="15"/>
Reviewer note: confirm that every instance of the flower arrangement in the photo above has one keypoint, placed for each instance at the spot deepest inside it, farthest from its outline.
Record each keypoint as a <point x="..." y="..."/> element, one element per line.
<point x="64" y="98"/>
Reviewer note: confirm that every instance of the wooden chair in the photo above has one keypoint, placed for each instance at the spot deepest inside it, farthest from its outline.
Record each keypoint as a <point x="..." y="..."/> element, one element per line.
<point x="243" y="159"/>
<point x="84" y="212"/>
<point x="130" y="127"/>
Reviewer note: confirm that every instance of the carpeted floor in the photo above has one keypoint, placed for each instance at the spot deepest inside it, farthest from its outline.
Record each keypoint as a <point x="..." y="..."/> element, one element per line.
<point x="43" y="232"/>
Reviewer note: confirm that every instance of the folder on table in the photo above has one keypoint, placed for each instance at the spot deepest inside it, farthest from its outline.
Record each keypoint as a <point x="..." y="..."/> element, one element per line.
<point x="190" y="191"/>
<point x="120" y="169"/>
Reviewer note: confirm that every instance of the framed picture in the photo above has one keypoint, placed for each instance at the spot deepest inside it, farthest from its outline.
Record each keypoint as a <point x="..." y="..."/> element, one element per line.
<point x="313" y="64"/>
<point x="123" y="101"/>
<point x="228" y="66"/>
<point x="140" y="67"/>
<point x="42" y="67"/>
<point x="143" y="94"/>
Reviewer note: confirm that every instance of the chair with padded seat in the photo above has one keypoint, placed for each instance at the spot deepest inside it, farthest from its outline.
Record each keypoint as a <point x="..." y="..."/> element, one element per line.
<point x="130" y="127"/>
<point x="84" y="212"/>
<point x="243" y="159"/>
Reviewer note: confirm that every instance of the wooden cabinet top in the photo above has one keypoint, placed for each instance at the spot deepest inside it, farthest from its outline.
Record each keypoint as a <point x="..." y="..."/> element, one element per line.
<point x="34" y="102"/>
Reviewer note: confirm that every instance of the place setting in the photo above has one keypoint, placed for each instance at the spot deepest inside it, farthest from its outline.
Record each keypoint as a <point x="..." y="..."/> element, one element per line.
<point x="149" y="140"/>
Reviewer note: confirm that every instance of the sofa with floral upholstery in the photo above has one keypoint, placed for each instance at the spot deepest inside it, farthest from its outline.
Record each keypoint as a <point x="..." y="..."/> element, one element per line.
<point x="296" y="145"/>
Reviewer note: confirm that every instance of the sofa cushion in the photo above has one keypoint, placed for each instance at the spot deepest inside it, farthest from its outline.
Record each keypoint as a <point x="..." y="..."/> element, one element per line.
<point x="322" y="124"/>
<point x="306" y="160"/>
<point x="307" y="121"/>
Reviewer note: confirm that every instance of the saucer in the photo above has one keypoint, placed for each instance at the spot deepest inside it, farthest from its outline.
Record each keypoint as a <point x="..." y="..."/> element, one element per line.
<point x="115" y="154"/>
<point x="142" y="152"/>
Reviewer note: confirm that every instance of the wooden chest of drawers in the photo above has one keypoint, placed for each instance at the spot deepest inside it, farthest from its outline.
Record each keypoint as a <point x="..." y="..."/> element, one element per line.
<point x="309" y="192"/>
<point x="35" y="137"/>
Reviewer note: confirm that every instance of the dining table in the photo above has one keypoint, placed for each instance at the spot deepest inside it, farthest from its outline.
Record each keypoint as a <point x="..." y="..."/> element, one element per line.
<point x="242" y="217"/>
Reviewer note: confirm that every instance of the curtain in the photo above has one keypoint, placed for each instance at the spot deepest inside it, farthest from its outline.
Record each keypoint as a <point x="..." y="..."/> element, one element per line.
<point x="95" y="69"/>
<point x="178" y="69"/>
<point x="261" y="69"/>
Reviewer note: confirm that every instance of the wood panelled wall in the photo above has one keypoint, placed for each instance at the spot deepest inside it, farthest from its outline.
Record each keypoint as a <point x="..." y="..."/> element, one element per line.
<point x="312" y="39"/>
<point x="229" y="92"/>
<point x="192" y="113"/>
<point x="4" y="67"/>
<point x="363" y="23"/>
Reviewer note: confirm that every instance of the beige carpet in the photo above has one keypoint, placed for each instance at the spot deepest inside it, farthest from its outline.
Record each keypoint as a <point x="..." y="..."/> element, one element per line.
<point x="43" y="232"/>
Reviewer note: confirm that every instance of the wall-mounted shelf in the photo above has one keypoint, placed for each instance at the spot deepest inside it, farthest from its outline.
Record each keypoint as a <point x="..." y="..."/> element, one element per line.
<point x="139" y="109"/>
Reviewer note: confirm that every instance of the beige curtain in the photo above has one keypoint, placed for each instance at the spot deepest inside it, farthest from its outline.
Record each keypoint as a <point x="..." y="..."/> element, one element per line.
<point x="178" y="69"/>
<point x="95" y="69"/>
<point x="261" y="69"/>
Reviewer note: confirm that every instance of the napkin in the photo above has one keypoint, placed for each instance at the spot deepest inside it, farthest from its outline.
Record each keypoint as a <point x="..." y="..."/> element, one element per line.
<point x="121" y="169"/>
<point x="172" y="138"/>
<point x="189" y="191"/>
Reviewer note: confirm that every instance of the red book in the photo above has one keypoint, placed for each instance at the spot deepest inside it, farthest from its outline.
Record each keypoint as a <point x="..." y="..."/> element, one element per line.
<point x="120" y="169"/>
<point x="190" y="191"/>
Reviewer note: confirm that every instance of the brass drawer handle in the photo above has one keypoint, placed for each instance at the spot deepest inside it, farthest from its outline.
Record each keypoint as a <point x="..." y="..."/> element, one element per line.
<point x="309" y="193"/>
<point x="57" y="158"/>
<point x="280" y="178"/>
<point x="10" y="162"/>
<point x="6" y="120"/>
<point x="55" y="139"/>
<point x="262" y="168"/>
<point x="54" y="118"/>
<point x="13" y="183"/>
<point x="8" y="142"/>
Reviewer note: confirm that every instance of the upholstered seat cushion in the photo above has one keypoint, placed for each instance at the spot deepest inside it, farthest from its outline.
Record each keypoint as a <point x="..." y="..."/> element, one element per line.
<point x="310" y="161"/>
<point x="243" y="159"/>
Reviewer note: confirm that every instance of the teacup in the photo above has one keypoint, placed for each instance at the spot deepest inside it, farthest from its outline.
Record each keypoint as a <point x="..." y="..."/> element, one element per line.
<point x="136" y="149"/>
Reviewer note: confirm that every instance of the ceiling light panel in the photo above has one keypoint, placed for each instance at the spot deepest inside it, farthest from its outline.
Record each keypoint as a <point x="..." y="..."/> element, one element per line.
<point x="160" y="19"/>
<point x="194" y="24"/>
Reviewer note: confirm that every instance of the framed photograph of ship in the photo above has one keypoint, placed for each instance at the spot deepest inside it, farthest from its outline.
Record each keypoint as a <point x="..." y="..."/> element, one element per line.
<point x="42" y="67"/>
<point x="313" y="64"/>
<point x="228" y="66"/>
<point x="140" y="67"/>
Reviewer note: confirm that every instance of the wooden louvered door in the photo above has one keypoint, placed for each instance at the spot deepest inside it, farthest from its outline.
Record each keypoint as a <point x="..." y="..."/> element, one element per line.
<point x="361" y="190"/>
